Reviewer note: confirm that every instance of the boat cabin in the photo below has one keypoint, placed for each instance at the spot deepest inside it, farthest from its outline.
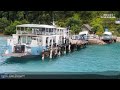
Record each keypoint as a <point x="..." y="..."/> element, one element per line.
<point x="29" y="30"/>
<point x="107" y="35"/>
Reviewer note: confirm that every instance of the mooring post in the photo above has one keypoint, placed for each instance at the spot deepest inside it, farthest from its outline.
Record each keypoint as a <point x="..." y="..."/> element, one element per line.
<point x="56" y="51"/>
<point x="50" y="53"/>
<point x="59" y="52"/>
<point x="69" y="47"/>
<point x="43" y="56"/>
<point x="51" y="49"/>
<point x="65" y="49"/>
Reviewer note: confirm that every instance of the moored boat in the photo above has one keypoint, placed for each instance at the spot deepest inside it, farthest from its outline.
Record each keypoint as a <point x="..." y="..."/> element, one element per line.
<point x="32" y="39"/>
<point x="108" y="37"/>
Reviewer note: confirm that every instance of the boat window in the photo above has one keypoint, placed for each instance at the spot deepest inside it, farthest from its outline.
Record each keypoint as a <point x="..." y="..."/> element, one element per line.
<point x="25" y="28"/>
<point x="43" y="29"/>
<point x="106" y="35"/>
<point x="46" y="29"/>
<point x="40" y="30"/>
<point x="23" y="39"/>
<point x="52" y="30"/>
<point x="22" y="28"/>
<point x="28" y="39"/>
<point x="49" y="29"/>
<point x="37" y="30"/>
<point x="33" y="30"/>
<point x="18" y="28"/>
<point x="30" y="29"/>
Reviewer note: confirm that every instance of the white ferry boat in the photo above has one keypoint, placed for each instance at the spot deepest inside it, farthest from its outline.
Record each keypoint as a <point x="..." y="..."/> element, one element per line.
<point x="32" y="39"/>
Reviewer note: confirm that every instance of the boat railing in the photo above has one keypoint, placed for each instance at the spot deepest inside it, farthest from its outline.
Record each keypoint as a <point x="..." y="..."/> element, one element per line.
<point x="23" y="32"/>
<point x="38" y="33"/>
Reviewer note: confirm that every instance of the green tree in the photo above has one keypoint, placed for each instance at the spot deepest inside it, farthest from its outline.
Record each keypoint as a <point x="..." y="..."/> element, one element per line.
<point x="118" y="29"/>
<point x="3" y="23"/>
<point x="12" y="28"/>
<point x="97" y="24"/>
<point x="20" y="15"/>
<point x="24" y="22"/>
<point x="75" y="23"/>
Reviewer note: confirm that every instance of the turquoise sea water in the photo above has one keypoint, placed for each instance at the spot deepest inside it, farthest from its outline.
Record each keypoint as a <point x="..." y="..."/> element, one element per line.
<point x="93" y="58"/>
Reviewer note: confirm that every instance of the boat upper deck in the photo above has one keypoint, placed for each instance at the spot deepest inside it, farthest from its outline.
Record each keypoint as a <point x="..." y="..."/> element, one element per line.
<point x="40" y="29"/>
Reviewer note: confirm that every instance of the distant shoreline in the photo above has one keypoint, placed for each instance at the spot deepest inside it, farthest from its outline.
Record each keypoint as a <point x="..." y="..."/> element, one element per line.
<point x="1" y="34"/>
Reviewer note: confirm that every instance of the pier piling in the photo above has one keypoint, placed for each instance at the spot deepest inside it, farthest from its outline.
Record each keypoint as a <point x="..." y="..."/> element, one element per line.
<point x="65" y="49"/>
<point x="51" y="53"/>
<point x="43" y="54"/>
<point x="69" y="47"/>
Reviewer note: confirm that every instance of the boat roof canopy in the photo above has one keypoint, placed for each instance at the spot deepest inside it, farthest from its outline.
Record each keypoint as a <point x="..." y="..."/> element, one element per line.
<point x="36" y="26"/>
<point x="83" y="32"/>
<point x="107" y="33"/>
<point x="60" y="28"/>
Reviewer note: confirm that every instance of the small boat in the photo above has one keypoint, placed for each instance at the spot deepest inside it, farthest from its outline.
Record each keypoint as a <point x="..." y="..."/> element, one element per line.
<point x="108" y="37"/>
<point x="84" y="35"/>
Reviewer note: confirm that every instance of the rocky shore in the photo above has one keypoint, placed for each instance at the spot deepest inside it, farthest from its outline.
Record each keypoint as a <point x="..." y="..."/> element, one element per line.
<point x="118" y="39"/>
<point x="96" y="41"/>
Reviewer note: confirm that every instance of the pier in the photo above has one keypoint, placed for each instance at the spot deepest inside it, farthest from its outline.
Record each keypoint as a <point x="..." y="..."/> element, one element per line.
<point x="63" y="49"/>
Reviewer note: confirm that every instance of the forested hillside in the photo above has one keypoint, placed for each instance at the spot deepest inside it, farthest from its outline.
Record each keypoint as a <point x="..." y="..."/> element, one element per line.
<point x="74" y="19"/>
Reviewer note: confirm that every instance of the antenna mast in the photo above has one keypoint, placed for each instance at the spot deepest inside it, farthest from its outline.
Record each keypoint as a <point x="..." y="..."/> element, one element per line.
<point x="53" y="20"/>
